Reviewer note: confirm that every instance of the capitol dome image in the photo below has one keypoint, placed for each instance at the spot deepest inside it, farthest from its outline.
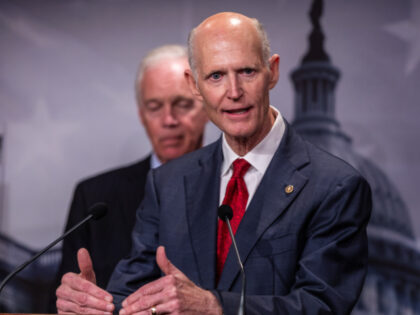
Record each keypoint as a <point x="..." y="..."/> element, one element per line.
<point x="392" y="284"/>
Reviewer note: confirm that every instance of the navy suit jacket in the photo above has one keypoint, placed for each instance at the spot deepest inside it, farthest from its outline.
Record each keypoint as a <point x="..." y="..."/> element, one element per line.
<point x="304" y="252"/>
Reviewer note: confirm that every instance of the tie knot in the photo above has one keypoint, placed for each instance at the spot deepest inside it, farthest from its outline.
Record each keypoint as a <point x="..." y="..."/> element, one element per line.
<point x="240" y="167"/>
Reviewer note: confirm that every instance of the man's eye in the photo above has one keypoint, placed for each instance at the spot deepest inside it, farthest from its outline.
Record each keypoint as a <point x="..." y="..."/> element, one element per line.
<point x="248" y="71"/>
<point x="153" y="106"/>
<point x="187" y="104"/>
<point x="216" y="76"/>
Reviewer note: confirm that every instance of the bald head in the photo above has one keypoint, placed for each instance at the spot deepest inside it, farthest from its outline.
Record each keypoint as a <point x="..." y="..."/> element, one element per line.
<point x="217" y="27"/>
<point x="233" y="75"/>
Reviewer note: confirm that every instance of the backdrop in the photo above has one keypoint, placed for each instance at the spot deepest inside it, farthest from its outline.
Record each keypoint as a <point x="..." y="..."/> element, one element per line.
<point x="67" y="107"/>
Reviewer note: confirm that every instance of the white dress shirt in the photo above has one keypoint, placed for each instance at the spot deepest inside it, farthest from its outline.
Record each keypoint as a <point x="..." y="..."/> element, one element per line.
<point x="154" y="161"/>
<point x="259" y="158"/>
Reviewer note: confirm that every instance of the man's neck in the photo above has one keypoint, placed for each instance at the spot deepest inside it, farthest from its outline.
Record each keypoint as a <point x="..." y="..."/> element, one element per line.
<point x="242" y="145"/>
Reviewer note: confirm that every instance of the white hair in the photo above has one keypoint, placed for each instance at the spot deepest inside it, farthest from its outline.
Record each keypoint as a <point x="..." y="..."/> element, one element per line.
<point x="265" y="45"/>
<point x="155" y="56"/>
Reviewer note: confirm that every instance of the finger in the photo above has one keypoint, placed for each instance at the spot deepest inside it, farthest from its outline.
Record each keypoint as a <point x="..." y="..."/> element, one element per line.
<point x="85" y="265"/>
<point x="77" y="283"/>
<point x="148" y="311"/>
<point x="165" y="265"/>
<point x="150" y="288"/>
<point x="154" y="286"/>
<point x="137" y="307"/>
<point x="67" y="307"/>
<point x="82" y="299"/>
<point x="145" y="303"/>
<point x="170" y="307"/>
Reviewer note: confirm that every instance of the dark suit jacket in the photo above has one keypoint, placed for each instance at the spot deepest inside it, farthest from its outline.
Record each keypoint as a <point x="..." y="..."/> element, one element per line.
<point x="108" y="239"/>
<point x="304" y="252"/>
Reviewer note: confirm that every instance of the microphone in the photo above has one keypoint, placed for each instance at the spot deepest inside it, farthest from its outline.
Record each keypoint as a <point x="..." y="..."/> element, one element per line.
<point x="97" y="211"/>
<point x="225" y="214"/>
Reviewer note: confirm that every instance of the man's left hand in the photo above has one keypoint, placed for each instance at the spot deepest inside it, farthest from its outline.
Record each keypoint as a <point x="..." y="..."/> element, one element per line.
<point x="172" y="294"/>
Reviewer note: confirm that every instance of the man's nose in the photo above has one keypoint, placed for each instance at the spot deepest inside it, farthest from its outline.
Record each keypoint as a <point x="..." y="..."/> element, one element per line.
<point x="169" y="117"/>
<point x="235" y="90"/>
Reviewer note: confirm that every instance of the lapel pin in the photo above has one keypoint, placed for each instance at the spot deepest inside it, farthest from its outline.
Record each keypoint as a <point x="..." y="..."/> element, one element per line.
<point x="289" y="189"/>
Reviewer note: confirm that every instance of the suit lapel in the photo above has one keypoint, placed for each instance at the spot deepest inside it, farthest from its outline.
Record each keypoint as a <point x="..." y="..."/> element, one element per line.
<point x="202" y="187"/>
<point x="134" y="185"/>
<point x="269" y="201"/>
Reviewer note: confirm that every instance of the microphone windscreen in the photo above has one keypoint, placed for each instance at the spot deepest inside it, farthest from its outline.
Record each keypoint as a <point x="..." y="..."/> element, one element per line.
<point x="98" y="210"/>
<point x="225" y="211"/>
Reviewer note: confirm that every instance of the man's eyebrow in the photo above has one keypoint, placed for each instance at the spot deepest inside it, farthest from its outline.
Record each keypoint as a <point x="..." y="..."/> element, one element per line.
<point x="178" y="98"/>
<point x="215" y="68"/>
<point x="150" y="100"/>
<point x="250" y="65"/>
<point x="222" y="70"/>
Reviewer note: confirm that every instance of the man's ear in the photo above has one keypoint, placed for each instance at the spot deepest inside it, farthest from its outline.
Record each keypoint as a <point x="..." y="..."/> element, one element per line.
<point x="192" y="83"/>
<point x="274" y="70"/>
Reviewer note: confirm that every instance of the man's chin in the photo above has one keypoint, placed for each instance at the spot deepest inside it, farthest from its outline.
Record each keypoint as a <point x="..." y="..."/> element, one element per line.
<point x="238" y="134"/>
<point x="172" y="154"/>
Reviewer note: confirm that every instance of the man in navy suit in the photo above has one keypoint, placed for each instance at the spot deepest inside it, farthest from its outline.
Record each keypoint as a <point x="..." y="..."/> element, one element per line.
<point x="300" y="214"/>
<point x="174" y="123"/>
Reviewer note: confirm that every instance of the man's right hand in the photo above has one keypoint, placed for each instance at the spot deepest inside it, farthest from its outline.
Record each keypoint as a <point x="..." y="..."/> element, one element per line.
<point x="78" y="293"/>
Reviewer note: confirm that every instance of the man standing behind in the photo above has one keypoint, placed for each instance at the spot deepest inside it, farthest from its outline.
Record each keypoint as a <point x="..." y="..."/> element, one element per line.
<point x="175" y="123"/>
<point x="300" y="214"/>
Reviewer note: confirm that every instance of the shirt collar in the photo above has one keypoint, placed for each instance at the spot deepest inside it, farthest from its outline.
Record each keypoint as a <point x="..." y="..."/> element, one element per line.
<point x="260" y="156"/>
<point x="154" y="161"/>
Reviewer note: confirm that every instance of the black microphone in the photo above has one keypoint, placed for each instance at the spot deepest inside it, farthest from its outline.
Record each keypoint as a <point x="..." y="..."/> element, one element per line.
<point x="225" y="213"/>
<point x="97" y="211"/>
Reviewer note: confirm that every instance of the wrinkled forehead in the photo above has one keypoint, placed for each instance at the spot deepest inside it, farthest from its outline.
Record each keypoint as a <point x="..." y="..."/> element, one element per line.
<point x="164" y="78"/>
<point x="222" y="44"/>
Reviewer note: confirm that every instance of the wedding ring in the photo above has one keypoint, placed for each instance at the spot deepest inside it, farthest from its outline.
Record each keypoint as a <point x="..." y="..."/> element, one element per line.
<point x="153" y="310"/>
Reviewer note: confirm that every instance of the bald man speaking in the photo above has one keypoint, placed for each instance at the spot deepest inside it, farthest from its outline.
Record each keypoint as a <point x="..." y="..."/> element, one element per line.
<point x="299" y="214"/>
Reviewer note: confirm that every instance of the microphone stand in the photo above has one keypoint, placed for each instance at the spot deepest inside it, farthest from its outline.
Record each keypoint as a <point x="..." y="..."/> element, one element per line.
<point x="241" y="309"/>
<point x="96" y="212"/>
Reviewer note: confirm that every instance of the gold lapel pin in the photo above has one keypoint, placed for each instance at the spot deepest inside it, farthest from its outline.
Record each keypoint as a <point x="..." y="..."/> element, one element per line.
<point x="289" y="189"/>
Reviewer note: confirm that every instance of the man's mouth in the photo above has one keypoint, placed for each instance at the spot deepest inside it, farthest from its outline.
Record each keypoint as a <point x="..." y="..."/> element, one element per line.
<point x="171" y="140"/>
<point x="238" y="111"/>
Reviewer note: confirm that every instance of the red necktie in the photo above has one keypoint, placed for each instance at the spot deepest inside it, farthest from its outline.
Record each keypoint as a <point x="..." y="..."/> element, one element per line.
<point x="237" y="197"/>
